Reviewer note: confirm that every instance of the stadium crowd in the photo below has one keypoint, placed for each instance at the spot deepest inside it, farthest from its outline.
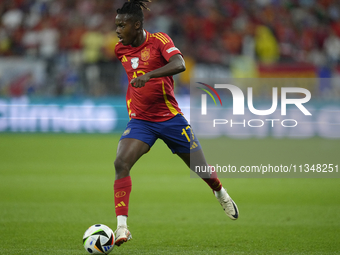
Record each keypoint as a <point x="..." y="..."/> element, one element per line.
<point x="75" y="38"/>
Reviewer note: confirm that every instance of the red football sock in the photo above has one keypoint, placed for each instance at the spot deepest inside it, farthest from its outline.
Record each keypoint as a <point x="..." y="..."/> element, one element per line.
<point x="122" y="190"/>
<point x="213" y="182"/>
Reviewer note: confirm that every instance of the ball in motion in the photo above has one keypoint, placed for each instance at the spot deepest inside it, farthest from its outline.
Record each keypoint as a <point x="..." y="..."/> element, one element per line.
<point x="99" y="239"/>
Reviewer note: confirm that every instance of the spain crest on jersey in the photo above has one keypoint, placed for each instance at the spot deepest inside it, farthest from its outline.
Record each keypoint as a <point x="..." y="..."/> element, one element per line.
<point x="134" y="62"/>
<point x="145" y="54"/>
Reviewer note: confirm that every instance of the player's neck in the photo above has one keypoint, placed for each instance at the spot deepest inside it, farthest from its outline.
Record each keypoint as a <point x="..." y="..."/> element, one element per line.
<point x="140" y="39"/>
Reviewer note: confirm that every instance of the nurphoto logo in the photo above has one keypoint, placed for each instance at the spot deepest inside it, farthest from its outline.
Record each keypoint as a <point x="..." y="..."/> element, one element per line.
<point x="238" y="105"/>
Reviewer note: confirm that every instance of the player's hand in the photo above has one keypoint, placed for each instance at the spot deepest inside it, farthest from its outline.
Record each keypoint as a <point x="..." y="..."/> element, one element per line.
<point x="140" y="81"/>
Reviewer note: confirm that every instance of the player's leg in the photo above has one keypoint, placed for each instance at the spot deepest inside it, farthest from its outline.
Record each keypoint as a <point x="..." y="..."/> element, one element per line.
<point x="196" y="162"/>
<point x="136" y="140"/>
<point x="197" y="159"/>
<point x="128" y="152"/>
<point x="180" y="138"/>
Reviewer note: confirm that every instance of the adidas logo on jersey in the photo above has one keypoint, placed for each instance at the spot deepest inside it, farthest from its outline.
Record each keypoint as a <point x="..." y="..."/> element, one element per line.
<point x="124" y="59"/>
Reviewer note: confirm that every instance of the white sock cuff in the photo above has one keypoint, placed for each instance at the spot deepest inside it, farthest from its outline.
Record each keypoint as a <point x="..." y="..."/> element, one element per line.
<point x="221" y="192"/>
<point x="121" y="220"/>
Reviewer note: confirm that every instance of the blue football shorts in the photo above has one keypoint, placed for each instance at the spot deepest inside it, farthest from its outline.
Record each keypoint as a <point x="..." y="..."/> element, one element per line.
<point x="175" y="132"/>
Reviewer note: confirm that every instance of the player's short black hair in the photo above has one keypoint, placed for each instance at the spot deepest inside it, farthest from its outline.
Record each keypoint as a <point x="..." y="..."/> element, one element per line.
<point x="134" y="8"/>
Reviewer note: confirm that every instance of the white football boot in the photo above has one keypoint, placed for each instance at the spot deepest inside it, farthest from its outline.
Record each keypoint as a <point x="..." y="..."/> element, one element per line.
<point x="122" y="235"/>
<point x="228" y="205"/>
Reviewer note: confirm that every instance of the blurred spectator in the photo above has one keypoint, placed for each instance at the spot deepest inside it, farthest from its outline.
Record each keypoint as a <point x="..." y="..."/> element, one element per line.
<point x="316" y="57"/>
<point x="109" y="62"/>
<point x="30" y="42"/>
<point x="13" y="17"/>
<point x="5" y="43"/>
<point x="266" y="45"/>
<point x="48" y="43"/>
<point x="92" y="43"/>
<point x="332" y="48"/>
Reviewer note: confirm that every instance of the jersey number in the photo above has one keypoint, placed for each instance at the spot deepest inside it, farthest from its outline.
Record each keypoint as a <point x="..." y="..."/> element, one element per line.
<point x="185" y="133"/>
<point x="136" y="73"/>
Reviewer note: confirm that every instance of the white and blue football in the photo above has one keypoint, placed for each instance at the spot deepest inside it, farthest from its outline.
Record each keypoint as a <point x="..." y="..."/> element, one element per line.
<point x="99" y="239"/>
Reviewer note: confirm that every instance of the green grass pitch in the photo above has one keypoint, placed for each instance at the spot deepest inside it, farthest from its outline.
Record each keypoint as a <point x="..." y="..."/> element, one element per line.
<point x="53" y="187"/>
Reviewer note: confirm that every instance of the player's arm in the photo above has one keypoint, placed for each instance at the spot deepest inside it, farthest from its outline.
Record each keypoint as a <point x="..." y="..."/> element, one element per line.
<point x="175" y="65"/>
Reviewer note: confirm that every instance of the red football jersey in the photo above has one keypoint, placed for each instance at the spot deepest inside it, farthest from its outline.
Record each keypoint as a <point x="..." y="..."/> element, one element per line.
<point x="156" y="100"/>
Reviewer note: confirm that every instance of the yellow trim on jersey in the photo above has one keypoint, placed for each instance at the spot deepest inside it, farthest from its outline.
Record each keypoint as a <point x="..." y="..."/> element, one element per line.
<point x="128" y="105"/>
<point x="160" y="37"/>
<point x="168" y="104"/>
<point x="164" y="38"/>
<point x="147" y="36"/>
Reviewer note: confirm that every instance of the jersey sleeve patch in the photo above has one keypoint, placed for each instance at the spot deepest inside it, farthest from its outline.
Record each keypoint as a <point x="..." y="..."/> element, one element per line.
<point x="166" y="45"/>
<point x="171" y="49"/>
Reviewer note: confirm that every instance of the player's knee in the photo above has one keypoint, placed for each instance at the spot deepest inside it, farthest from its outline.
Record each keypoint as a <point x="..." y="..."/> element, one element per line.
<point x="121" y="166"/>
